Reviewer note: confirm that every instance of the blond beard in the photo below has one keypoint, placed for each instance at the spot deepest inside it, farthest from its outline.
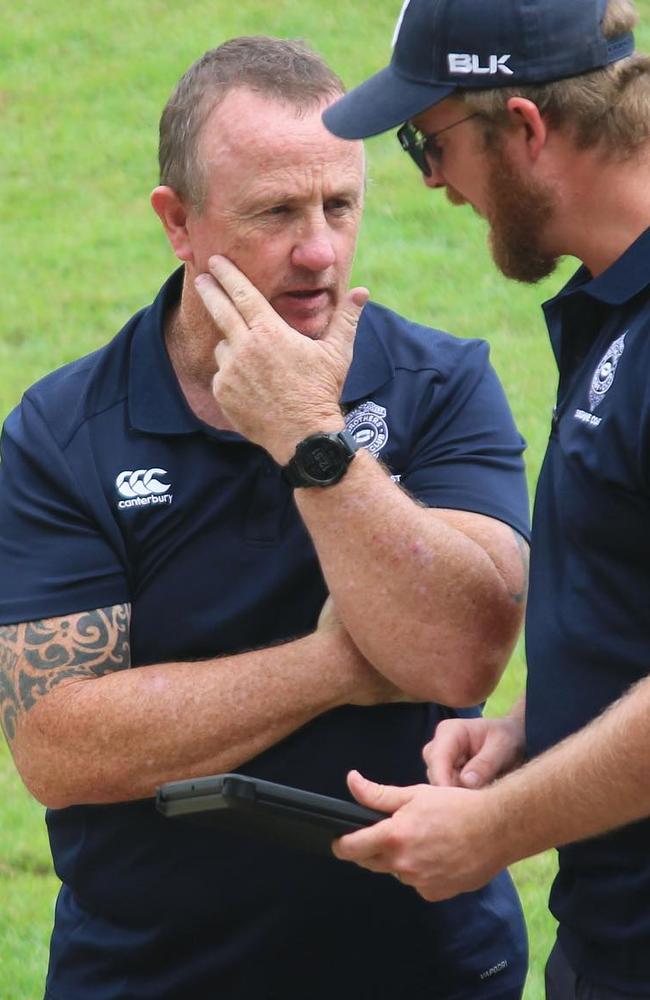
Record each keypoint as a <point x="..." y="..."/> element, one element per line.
<point x="518" y="211"/>
<point x="454" y="196"/>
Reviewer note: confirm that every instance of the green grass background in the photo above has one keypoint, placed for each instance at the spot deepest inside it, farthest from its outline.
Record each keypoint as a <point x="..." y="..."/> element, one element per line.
<point x="81" y="90"/>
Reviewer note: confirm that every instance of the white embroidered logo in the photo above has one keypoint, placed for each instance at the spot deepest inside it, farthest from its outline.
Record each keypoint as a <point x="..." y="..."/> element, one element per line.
<point x="603" y="378"/>
<point x="602" y="381"/>
<point x="142" y="488"/>
<point x="367" y="426"/>
<point x="468" y="63"/>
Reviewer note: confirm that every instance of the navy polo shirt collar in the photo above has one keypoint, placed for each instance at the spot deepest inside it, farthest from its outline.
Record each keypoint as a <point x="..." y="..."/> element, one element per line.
<point x="371" y="365"/>
<point x="156" y="402"/>
<point x="623" y="280"/>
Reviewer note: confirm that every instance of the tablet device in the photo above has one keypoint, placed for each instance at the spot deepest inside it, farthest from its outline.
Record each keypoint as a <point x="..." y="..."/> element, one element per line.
<point x="241" y="804"/>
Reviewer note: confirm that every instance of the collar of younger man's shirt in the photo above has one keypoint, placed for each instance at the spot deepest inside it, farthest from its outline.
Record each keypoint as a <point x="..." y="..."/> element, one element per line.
<point x="621" y="281"/>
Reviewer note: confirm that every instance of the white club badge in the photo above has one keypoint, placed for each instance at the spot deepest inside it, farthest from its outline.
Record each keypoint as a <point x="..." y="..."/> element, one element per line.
<point x="603" y="378"/>
<point x="367" y="426"/>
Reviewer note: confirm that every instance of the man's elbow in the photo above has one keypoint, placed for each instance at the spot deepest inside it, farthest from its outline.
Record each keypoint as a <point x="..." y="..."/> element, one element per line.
<point x="54" y="755"/>
<point x="461" y="684"/>
<point x="48" y="795"/>
<point x="475" y="673"/>
<point x="458" y="673"/>
<point x="50" y="764"/>
<point x="61" y="790"/>
<point x="471" y="684"/>
<point x="45" y="780"/>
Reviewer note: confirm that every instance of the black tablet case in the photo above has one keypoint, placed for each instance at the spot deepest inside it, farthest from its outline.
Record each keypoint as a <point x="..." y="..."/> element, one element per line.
<point x="241" y="804"/>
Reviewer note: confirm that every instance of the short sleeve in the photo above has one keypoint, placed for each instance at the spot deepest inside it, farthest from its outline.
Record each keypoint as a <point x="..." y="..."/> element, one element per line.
<point x="469" y="454"/>
<point x="54" y="560"/>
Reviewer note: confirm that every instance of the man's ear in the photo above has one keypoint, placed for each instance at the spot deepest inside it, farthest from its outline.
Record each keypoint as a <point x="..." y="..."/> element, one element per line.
<point x="527" y="115"/>
<point x="171" y="210"/>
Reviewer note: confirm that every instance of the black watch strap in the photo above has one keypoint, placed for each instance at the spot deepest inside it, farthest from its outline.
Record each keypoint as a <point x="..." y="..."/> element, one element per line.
<point x="320" y="459"/>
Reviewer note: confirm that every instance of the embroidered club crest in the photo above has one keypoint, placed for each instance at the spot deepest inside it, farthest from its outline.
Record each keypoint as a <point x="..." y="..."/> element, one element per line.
<point x="367" y="426"/>
<point x="603" y="378"/>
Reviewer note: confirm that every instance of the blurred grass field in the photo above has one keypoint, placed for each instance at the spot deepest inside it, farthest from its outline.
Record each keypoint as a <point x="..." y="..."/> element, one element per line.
<point x="81" y="90"/>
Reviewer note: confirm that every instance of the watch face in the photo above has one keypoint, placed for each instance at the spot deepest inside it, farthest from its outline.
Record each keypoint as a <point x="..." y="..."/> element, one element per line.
<point x="322" y="460"/>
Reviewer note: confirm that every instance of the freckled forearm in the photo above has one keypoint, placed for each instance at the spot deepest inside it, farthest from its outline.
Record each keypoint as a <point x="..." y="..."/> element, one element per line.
<point x="590" y="783"/>
<point x="424" y="602"/>
<point x="98" y="733"/>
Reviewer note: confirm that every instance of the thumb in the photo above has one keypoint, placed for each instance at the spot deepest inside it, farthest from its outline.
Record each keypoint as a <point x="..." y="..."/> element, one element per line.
<point x="479" y="771"/>
<point x="343" y="327"/>
<point x="385" y="798"/>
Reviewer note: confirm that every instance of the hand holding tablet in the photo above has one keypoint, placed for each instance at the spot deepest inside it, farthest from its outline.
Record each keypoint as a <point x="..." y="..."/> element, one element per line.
<point x="239" y="803"/>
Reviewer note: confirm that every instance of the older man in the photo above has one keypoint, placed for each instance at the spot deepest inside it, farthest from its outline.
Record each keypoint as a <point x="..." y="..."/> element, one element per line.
<point x="538" y="114"/>
<point x="147" y="521"/>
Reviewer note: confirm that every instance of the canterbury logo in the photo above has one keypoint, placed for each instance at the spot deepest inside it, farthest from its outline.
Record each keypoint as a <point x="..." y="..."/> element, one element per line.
<point x="142" y="488"/>
<point x="466" y="63"/>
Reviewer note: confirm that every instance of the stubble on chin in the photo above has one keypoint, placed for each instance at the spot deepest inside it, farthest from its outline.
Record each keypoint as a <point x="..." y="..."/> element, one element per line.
<point x="311" y="331"/>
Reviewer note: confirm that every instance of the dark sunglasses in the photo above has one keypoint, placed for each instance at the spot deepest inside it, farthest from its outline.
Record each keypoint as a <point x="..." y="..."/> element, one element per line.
<point x="422" y="148"/>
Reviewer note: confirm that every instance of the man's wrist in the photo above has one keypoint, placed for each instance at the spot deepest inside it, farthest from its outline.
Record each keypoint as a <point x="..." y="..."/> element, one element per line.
<point x="320" y="459"/>
<point x="286" y="449"/>
<point x="496" y="826"/>
<point x="343" y="664"/>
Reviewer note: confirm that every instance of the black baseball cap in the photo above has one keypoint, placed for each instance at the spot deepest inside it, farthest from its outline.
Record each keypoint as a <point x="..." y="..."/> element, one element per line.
<point x="440" y="46"/>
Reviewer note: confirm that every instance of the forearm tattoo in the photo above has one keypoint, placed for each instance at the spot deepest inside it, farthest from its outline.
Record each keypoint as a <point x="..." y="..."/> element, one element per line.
<point x="35" y="657"/>
<point x="520" y="596"/>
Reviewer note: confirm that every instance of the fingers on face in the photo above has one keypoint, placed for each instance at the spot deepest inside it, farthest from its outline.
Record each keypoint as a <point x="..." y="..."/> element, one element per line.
<point x="343" y="327"/>
<point x="224" y="313"/>
<point x="352" y="304"/>
<point x="221" y="352"/>
<point x="248" y="301"/>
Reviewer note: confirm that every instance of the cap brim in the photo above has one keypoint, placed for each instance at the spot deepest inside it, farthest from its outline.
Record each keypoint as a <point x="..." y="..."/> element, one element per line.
<point x="381" y="103"/>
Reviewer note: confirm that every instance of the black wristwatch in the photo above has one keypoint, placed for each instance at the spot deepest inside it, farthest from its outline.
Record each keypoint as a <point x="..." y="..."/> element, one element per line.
<point x="320" y="459"/>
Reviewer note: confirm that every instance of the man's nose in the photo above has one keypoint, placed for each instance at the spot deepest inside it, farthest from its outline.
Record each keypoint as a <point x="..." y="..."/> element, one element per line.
<point x="436" y="178"/>
<point x="314" y="250"/>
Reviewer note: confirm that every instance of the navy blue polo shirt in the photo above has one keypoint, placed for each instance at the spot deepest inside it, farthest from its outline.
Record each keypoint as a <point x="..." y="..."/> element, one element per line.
<point x="588" y="623"/>
<point x="112" y="491"/>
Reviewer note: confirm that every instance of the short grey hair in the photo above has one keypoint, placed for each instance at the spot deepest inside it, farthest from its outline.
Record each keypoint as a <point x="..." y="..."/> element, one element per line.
<point x="284" y="70"/>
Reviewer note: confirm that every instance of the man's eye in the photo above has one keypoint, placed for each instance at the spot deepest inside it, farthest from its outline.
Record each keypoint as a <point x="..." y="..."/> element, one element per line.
<point x="279" y="210"/>
<point x="337" y="205"/>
